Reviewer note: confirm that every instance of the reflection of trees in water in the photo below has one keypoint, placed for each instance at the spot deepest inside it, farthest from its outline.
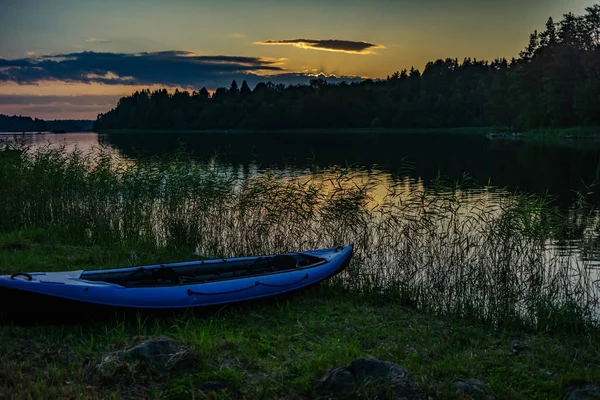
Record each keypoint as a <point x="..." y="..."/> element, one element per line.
<point x="70" y="141"/>
<point x="516" y="166"/>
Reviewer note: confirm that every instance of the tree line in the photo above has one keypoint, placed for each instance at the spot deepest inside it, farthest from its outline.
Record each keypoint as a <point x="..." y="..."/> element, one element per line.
<point x="17" y="123"/>
<point x="553" y="83"/>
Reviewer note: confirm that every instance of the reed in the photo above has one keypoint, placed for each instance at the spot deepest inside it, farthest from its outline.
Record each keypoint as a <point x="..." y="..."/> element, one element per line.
<point x="438" y="250"/>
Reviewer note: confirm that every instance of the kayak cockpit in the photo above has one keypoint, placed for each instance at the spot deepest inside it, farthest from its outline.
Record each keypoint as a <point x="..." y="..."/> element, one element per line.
<point x="202" y="272"/>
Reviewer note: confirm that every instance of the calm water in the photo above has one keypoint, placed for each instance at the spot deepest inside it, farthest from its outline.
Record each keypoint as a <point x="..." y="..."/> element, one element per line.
<point x="559" y="171"/>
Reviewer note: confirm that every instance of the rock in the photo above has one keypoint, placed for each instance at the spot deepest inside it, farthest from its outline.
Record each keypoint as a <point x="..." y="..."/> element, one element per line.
<point x="368" y="369"/>
<point x="517" y="346"/>
<point x="587" y="392"/>
<point x="338" y="380"/>
<point x="160" y="354"/>
<point x="473" y="387"/>
<point x="212" y="386"/>
<point x="154" y="351"/>
<point x="371" y="372"/>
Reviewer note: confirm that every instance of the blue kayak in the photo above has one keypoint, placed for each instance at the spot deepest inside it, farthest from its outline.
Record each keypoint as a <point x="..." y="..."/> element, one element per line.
<point x="174" y="286"/>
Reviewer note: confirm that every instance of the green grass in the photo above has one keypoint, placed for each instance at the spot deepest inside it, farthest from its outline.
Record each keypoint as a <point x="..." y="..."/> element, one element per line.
<point x="578" y="137"/>
<point x="581" y="138"/>
<point x="577" y="132"/>
<point x="268" y="349"/>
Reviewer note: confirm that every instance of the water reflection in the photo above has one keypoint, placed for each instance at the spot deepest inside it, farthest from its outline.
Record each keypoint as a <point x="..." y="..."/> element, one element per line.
<point x="88" y="143"/>
<point x="83" y="141"/>
<point x="515" y="166"/>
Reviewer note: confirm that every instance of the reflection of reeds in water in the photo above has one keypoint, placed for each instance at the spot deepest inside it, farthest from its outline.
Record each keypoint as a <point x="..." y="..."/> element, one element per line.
<point x="439" y="249"/>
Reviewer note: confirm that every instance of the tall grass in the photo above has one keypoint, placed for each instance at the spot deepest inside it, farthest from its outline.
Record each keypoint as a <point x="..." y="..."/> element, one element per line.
<point x="439" y="250"/>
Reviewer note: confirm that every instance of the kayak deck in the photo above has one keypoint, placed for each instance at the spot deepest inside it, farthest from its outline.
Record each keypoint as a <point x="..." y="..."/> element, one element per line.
<point x="202" y="272"/>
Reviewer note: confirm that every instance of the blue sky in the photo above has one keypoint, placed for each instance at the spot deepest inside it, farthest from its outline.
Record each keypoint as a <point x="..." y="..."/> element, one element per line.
<point x="195" y="43"/>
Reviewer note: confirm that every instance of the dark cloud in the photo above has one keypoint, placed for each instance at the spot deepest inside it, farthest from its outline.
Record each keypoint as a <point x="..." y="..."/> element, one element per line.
<point x="346" y="46"/>
<point x="168" y="68"/>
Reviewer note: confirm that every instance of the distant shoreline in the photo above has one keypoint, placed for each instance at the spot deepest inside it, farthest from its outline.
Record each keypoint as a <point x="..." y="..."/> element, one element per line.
<point x="462" y="131"/>
<point x="569" y="134"/>
<point x="491" y="133"/>
<point x="6" y="133"/>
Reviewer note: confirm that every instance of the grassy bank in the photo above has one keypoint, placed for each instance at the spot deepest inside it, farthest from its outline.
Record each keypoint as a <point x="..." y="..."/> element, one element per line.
<point x="582" y="138"/>
<point x="550" y="135"/>
<point x="577" y="132"/>
<point x="272" y="349"/>
<point x="440" y="283"/>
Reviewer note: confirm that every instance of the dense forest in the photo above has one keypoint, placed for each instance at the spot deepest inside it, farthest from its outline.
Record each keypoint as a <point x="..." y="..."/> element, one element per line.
<point x="27" y="124"/>
<point x="554" y="82"/>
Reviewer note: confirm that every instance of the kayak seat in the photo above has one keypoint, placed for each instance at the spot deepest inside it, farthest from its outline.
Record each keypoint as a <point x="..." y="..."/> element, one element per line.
<point x="166" y="274"/>
<point x="283" y="262"/>
<point x="159" y="276"/>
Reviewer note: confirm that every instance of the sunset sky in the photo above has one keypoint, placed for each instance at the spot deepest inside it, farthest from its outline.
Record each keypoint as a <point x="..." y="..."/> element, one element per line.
<point x="75" y="58"/>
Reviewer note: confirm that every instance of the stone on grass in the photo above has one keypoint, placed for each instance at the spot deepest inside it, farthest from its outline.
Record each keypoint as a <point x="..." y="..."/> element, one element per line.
<point x="338" y="380"/>
<point x="587" y="392"/>
<point x="371" y="368"/>
<point x="160" y="354"/>
<point x="371" y="373"/>
<point x="517" y="346"/>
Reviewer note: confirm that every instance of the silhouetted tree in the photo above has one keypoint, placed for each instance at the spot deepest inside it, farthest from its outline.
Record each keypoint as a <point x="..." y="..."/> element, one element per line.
<point x="204" y="93"/>
<point x="245" y="88"/>
<point x="260" y="86"/>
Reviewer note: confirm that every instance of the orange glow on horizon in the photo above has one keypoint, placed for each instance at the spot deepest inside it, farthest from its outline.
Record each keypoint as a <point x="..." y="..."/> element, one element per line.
<point x="49" y="88"/>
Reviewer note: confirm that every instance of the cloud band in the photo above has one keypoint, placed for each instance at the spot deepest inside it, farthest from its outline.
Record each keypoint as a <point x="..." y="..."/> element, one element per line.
<point x="344" y="46"/>
<point x="169" y="68"/>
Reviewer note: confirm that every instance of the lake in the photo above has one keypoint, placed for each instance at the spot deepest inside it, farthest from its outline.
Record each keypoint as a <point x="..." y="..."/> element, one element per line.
<point x="512" y="166"/>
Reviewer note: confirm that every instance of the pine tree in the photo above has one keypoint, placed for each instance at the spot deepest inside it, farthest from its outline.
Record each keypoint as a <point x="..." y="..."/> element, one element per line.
<point x="204" y="93"/>
<point x="245" y="87"/>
